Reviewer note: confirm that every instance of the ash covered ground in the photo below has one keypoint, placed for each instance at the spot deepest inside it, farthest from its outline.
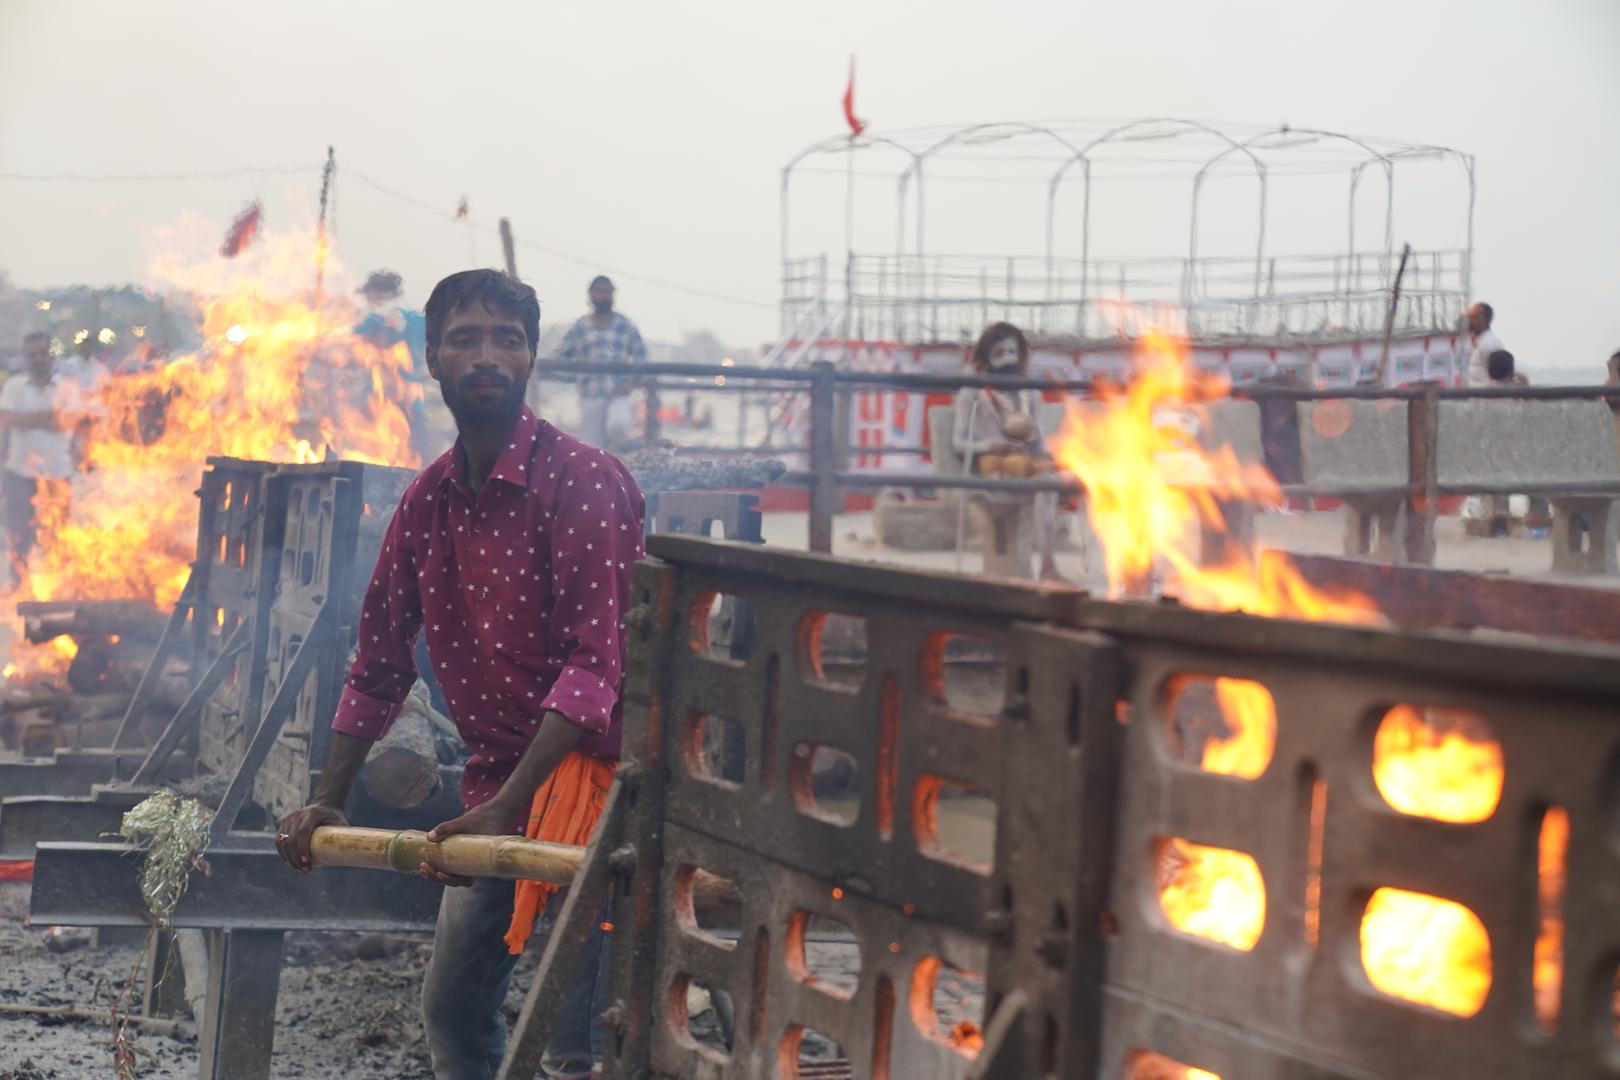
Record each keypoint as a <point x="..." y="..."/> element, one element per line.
<point x="348" y="1006"/>
<point x="338" y="1015"/>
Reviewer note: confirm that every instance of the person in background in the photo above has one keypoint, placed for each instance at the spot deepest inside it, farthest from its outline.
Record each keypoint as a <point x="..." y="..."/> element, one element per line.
<point x="1501" y="509"/>
<point x="85" y="366"/>
<point x="1499" y="368"/>
<point x="998" y="432"/>
<point x="38" y="410"/>
<point x="604" y="336"/>
<point x="388" y="323"/>
<point x="1486" y="341"/>
<point x="512" y="553"/>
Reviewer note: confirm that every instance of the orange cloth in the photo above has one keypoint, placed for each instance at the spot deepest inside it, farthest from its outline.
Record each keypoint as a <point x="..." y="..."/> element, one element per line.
<point x="565" y="810"/>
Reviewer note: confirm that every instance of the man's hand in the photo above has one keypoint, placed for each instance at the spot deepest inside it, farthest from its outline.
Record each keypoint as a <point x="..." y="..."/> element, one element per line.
<point x="297" y="828"/>
<point x="491" y="819"/>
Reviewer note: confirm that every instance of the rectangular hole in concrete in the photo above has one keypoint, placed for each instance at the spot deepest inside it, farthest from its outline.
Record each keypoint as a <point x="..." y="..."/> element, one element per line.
<point x="832" y="648"/>
<point x="721" y="625"/>
<point x="806" y="1053"/>
<point x="1220" y="725"/>
<point x="947" y="1005"/>
<point x="706" y="906"/>
<point x="823" y="953"/>
<point x="701" y="1016"/>
<point x="825" y="782"/>
<point x="954" y="823"/>
<point x="965" y="673"/>
<point x="716" y="749"/>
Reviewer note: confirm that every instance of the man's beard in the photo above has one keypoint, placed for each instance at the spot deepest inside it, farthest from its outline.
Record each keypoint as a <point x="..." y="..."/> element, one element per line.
<point x="499" y="412"/>
<point x="602" y="309"/>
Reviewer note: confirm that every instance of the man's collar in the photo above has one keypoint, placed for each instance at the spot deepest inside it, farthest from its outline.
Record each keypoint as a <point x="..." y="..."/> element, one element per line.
<point x="513" y="464"/>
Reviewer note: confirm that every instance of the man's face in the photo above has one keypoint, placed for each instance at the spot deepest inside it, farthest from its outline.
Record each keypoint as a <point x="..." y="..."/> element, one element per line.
<point x="602" y="297"/>
<point x="1477" y="322"/>
<point x="482" y="362"/>
<point x="1004" y="355"/>
<point x="37" y="360"/>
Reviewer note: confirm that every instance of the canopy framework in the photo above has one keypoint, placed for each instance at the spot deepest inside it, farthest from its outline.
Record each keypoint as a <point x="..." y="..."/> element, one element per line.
<point x="916" y="293"/>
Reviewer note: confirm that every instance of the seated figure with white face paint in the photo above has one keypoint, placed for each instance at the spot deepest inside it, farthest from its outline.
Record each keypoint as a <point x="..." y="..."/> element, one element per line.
<point x="998" y="433"/>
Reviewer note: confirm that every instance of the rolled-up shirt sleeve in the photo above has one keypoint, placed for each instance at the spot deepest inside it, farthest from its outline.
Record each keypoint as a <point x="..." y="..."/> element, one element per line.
<point x="595" y="540"/>
<point x="384" y="668"/>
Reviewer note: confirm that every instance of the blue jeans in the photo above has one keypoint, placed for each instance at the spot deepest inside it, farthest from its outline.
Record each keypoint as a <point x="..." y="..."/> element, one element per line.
<point x="467" y="980"/>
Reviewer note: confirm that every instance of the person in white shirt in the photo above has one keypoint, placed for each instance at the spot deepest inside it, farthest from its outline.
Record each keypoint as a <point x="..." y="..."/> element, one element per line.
<point x="1486" y="342"/>
<point x="37" y="411"/>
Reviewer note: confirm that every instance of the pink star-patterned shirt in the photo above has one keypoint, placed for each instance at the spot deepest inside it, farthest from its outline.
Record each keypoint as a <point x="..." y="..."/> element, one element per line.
<point x="521" y="590"/>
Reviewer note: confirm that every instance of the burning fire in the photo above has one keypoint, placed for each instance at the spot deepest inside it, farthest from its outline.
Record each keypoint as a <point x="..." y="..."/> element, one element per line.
<point x="279" y="377"/>
<point x="1212" y="893"/>
<point x="1440" y="763"/>
<point x="1150" y="491"/>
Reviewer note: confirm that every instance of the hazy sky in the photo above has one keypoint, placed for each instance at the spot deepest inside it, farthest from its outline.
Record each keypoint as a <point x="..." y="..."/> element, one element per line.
<point x="650" y="136"/>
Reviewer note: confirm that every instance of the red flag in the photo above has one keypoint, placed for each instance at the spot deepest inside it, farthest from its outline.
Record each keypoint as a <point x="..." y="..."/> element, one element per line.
<point x="242" y="230"/>
<point x="856" y="125"/>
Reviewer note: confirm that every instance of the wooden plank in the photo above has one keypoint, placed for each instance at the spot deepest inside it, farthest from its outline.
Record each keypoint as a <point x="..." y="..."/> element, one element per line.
<point x="1420" y="598"/>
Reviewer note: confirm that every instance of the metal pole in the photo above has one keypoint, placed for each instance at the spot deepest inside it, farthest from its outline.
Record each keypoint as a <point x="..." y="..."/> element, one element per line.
<point x="823" y="455"/>
<point x="1085" y="245"/>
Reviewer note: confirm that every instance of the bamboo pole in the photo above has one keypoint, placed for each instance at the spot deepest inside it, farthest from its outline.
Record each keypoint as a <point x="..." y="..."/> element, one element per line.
<point x="512" y="858"/>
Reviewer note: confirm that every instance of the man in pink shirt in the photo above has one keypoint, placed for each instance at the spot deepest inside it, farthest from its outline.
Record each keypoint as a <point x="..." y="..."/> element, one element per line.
<point x="512" y="553"/>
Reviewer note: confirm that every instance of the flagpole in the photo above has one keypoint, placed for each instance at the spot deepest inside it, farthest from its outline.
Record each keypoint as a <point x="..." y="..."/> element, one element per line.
<point x="849" y="212"/>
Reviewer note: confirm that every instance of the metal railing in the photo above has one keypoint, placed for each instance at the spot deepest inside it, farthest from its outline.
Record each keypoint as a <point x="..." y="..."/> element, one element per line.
<point x="913" y="298"/>
<point x="826" y="389"/>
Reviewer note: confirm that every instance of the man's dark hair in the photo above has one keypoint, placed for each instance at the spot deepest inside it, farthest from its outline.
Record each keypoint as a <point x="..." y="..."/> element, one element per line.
<point x="495" y="290"/>
<point x="1486" y="310"/>
<point x="1499" y="365"/>
<point x="36" y="335"/>
<point x="994" y="333"/>
<point x="599" y="279"/>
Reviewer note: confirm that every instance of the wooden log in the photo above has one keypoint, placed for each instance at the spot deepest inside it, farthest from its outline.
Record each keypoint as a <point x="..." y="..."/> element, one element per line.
<point x="44" y="620"/>
<point x="512" y="858"/>
<point x="1420" y="598"/>
<point x="57" y="1013"/>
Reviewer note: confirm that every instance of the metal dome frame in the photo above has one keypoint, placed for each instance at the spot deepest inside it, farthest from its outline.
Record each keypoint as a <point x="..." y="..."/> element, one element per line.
<point x="1343" y="309"/>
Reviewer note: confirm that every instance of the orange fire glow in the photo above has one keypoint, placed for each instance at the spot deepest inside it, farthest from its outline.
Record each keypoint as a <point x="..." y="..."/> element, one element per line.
<point x="1151" y="491"/>
<point x="1441" y="764"/>
<point x="1549" y="970"/>
<point x="1437" y="763"/>
<point x="1251" y="716"/>
<point x="279" y="377"/>
<point x="1212" y="893"/>
<point x="1426" y="949"/>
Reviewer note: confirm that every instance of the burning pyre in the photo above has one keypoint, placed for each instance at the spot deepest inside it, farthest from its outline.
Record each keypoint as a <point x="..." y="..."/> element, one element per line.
<point x="1150" y="491"/>
<point x="280" y="376"/>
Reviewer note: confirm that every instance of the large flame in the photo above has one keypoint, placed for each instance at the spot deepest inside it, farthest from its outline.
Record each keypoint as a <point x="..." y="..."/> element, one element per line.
<point x="1151" y="491"/>
<point x="279" y="377"/>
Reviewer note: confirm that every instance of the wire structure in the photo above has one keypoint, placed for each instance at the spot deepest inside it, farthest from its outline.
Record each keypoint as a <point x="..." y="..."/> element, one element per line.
<point x="915" y="294"/>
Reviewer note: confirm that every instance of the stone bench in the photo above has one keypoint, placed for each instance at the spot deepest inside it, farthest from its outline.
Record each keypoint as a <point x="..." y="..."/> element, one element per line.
<point x="1369" y="452"/>
<point x="1539" y="448"/>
